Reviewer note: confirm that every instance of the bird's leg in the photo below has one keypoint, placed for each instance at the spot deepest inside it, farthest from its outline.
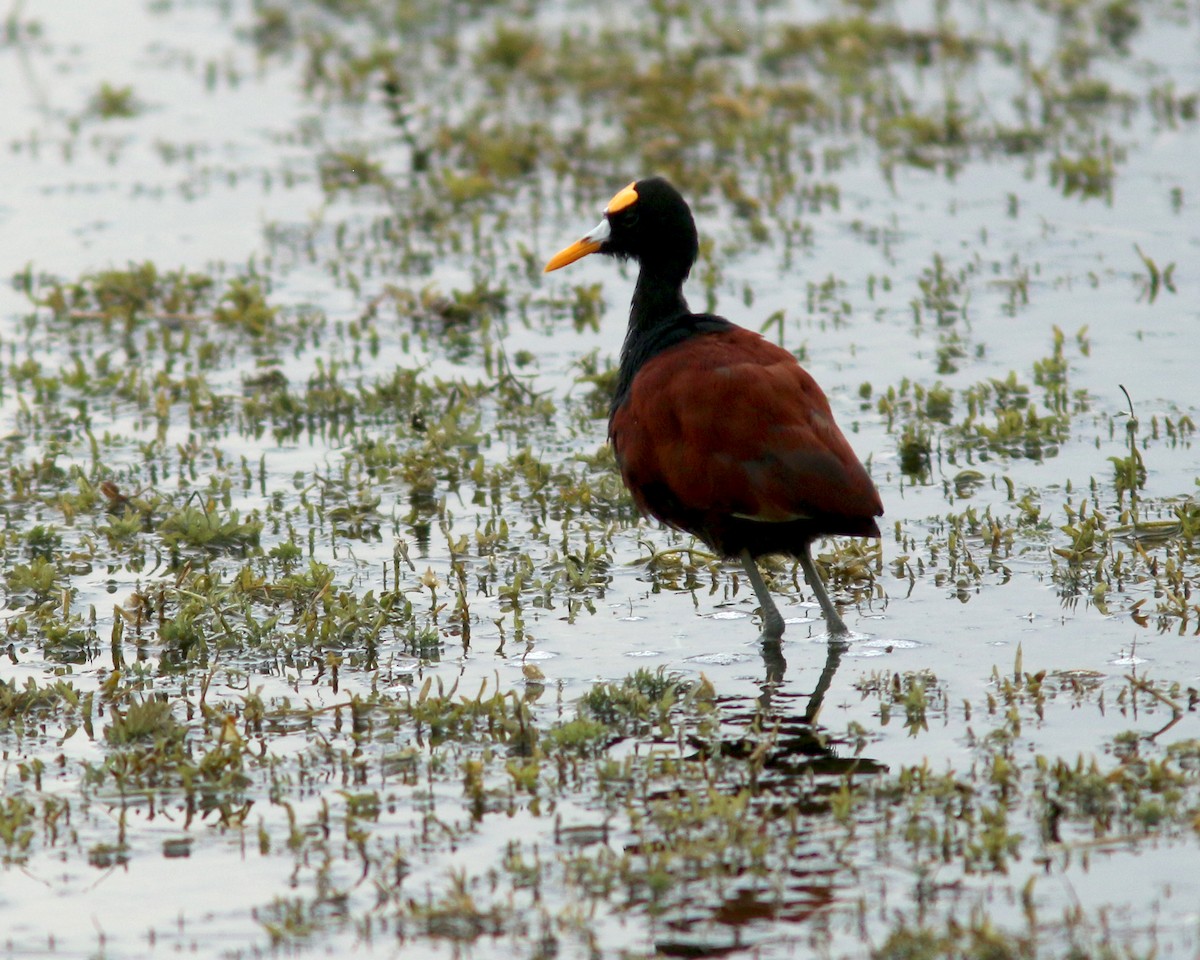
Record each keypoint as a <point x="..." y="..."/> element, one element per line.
<point x="772" y="619"/>
<point x="837" y="626"/>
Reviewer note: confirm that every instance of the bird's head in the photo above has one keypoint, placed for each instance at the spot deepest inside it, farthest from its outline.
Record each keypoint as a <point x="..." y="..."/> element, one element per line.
<point x="647" y="221"/>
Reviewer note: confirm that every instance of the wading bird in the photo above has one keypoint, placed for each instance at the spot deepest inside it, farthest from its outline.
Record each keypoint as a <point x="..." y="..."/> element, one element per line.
<point x="717" y="431"/>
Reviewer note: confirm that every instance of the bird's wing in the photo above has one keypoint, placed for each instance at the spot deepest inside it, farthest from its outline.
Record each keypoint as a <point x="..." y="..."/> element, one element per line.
<point x="732" y="424"/>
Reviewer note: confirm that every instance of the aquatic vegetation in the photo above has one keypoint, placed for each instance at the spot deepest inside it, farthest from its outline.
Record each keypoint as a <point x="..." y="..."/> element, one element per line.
<point x="317" y="565"/>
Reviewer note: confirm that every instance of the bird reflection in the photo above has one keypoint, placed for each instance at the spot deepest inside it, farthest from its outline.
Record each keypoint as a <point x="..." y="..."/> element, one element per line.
<point x="776" y="665"/>
<point x="798" y="743"/>
<point x="794" y="771"/>
<point x="776" y="668"/>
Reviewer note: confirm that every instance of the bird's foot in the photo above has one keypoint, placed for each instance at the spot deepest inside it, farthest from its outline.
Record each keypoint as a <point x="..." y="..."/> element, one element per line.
<point x="772" y="626"/>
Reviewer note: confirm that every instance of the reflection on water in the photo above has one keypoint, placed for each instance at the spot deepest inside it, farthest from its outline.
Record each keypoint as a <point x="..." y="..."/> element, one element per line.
<point x="956" y="238"/>
<point x="794" y="768"/>
<point x="799" y="743"/>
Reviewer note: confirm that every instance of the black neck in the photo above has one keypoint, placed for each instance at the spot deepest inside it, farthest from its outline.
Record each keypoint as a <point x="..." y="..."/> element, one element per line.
<point x="658" y="319"/>
<point x="657" y="300"/>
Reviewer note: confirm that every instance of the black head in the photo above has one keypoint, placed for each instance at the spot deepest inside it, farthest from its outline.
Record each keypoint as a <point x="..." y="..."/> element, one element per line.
<point x="647" y="221"/>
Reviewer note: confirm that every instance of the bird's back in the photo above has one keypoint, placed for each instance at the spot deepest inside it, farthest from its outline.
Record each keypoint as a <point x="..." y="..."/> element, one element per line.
<point x="723" y="434"/>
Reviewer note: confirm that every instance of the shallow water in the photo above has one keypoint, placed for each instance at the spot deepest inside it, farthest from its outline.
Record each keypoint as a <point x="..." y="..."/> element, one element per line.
<point x="218" y="171"/>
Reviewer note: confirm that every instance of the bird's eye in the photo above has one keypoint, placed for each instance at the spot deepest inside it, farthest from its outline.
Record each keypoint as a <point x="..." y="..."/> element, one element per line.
<point x="625" y="218"/>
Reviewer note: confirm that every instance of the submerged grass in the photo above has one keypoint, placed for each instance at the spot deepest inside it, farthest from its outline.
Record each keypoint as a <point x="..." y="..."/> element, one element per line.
<point x="705" y="837"/>
<point x="256" y="551"/>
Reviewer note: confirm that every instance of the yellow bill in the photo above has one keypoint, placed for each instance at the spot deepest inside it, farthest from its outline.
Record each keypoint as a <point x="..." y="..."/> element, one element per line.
<point x="590" y="243"/>
<point x="576" y="251"/>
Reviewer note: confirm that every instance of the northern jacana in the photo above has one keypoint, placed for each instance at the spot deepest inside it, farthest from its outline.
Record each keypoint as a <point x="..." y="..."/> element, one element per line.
<point x="717" y="431"/>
